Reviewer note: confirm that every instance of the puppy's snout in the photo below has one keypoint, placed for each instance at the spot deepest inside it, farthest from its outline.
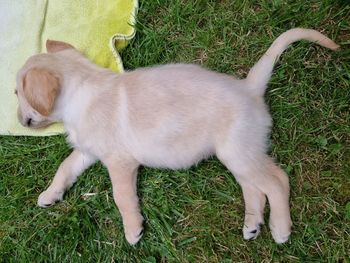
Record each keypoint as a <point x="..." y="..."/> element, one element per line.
<point x="23" y="120"/>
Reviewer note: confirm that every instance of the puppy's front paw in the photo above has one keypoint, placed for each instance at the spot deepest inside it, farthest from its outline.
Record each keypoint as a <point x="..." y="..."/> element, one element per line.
<point x="133" y="228"/>
<point x="49" y="197"/>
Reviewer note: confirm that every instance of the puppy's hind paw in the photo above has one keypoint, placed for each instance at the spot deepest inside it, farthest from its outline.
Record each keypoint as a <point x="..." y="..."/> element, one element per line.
<point x="48" y="198"/>
<point x="281" y="234"/>
<point x="250" y="233"/>
<point x="280" y="238"/>
<point x="133" y="238"/>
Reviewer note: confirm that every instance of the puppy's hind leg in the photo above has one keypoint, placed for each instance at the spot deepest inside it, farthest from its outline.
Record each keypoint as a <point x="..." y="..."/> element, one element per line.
<point x="280" y="221"/>
<point x="254" y="202"/>
<point x="259" y="176"/>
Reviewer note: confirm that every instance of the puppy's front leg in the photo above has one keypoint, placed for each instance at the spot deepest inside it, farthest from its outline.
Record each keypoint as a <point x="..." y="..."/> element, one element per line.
<point x="65" y="177"/>
<point x="123" y="173"/>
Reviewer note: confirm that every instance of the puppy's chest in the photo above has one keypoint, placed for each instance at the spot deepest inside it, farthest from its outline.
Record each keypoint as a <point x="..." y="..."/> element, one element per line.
<point x="72" y="138"/>
<point x="78" y="141"/>
<point x="89" y="141"/>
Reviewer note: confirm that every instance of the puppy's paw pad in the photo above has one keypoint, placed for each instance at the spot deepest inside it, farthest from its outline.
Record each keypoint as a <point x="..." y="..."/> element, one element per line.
<point x="48" y="198"/>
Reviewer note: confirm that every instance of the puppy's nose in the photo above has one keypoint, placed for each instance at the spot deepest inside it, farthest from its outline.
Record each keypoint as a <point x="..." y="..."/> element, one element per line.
<point x="29" y="121"/>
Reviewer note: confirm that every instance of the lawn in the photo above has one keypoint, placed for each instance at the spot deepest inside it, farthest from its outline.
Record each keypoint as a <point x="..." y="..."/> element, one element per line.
<point x="196" y="215"/>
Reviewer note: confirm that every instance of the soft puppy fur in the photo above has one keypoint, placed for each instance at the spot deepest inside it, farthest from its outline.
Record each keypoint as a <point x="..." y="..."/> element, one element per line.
<point x="169" y="116"/>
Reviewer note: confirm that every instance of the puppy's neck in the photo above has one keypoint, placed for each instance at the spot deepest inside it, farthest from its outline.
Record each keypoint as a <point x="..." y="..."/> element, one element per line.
<point x="82" y="81"/>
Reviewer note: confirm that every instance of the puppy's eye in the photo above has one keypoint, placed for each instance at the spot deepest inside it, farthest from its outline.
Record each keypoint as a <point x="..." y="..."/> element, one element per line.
<point x="16" y="92"/>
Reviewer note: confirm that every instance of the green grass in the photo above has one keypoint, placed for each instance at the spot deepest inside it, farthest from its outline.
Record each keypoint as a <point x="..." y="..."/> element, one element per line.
<point x="196" y="215"/>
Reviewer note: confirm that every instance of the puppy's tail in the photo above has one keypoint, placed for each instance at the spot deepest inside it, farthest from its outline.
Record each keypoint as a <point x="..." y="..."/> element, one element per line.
<point x="260" y="74"/>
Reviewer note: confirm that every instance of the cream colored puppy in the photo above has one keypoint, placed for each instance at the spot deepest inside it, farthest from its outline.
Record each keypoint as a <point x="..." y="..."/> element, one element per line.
<point x="169" y="116"/>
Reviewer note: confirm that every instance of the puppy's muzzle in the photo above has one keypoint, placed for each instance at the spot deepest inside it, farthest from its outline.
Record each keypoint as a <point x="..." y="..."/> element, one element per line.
<point x="25" y="121"/>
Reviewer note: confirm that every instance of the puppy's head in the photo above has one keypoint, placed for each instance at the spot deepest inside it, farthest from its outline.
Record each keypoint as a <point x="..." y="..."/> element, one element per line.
<point x="38" y="85"/>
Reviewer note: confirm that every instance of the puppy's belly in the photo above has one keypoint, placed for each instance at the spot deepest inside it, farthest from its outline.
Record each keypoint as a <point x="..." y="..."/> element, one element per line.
<point x="172" y="155"/>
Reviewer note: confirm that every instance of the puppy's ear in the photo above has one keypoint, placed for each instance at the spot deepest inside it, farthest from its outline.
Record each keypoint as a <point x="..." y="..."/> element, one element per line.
<point x="53" y="46"/>
<point x="40" y="88"/>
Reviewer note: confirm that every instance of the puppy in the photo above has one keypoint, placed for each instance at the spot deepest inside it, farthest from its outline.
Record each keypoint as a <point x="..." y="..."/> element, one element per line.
<point x="169" y="116"/>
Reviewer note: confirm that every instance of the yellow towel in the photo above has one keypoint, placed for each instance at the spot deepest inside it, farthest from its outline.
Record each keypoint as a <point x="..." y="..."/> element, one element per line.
<point x="95" y="27"/>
